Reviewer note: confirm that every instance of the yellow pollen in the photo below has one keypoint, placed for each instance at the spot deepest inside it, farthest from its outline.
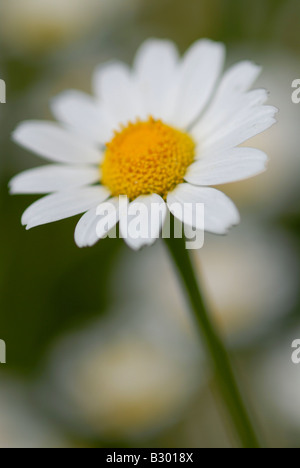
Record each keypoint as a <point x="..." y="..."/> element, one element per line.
<point x="145" y="158"/>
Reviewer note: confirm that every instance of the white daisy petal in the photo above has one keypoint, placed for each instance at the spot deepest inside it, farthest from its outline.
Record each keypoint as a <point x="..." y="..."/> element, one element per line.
<point x="239" y="78"/>
<point x="53" y="178"/>
<point x="63" y="205"/>
<point x="231" y="166"/>
<point x="82" y="113"/>
<point x="199" y="72"/>
<point x="87" y="231"/>
<point x="231" y="97"/>
<point x="233" y="111"/>
<point x="219" y="211"/>
<point x="114" y="86"/>
<point x="155" y="64"/>
<point x="146" y="224"/>
<point x="244" y="126"/>
<point x="50" y="141"/>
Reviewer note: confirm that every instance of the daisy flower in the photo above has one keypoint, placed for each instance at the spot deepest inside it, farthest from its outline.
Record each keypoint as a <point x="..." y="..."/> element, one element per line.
<point x="163" y="132"/>
<point x="126" y="377"/>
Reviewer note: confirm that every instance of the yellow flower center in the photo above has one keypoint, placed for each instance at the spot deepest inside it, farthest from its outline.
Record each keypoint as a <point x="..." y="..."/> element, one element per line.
<point x="146" y="157"/>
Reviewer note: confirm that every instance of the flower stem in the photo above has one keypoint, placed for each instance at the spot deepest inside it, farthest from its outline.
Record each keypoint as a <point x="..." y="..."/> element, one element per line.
<point x="219" y="356"/>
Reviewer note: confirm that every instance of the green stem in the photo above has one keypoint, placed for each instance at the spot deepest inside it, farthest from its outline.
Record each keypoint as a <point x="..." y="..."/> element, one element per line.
<point x="219" y="356"/>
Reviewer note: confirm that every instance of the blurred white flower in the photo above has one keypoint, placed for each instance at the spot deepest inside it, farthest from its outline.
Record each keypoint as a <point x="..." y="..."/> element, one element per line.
<point x="250" y="278"/>
<point x="21" y="425"/>
<point x="276" y="380"/>
<point x="38" y="26"/>
<point x="138" y="279"/>
<point x="124" y="377"/>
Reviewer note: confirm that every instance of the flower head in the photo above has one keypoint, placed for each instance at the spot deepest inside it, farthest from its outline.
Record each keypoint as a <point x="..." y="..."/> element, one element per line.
<point x="123" y="378"/>
<point x="147" y="157"/>
<point x="163" y="132"/>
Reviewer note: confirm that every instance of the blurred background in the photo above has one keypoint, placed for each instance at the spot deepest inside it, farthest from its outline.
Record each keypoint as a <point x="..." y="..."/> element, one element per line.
<point x="101" y="352"/>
